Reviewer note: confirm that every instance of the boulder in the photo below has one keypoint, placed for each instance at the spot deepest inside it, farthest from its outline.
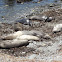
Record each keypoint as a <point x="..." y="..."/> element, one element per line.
<point x="57" y="28"/>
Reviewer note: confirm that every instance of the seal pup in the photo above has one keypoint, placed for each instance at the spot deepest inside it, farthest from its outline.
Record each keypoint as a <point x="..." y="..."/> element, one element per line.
<point x="19" y="41"/>
<point x="27" y="37"/>
<point x="13" y="43"/>
<point x="20" y="33"/>
<point x="41" y="18"/>
<point x="24" y="21"/>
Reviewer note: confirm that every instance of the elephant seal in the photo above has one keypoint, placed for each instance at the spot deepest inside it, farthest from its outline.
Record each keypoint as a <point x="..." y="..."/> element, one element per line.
<point x="24" y="21"/>
<point x="13" y="43"/>
<point x="41" y="18"/>
<point x="20" y="33"/>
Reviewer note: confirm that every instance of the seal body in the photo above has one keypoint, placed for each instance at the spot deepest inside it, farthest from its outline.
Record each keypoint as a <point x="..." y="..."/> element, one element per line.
<point x="24" y="21"/>
<point x="41" y="18"/>
<point x="20" y="33"/>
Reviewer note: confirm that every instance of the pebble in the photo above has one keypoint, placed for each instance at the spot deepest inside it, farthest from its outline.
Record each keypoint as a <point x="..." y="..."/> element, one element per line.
<point x="47" y="36"/>
<point x="23" y="53"/>
<point x="39" y="49"/>
<point x="31" y="45"/>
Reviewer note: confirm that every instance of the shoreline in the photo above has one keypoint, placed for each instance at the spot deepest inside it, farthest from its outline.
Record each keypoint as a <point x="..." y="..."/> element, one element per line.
<point x="46" y="27"/>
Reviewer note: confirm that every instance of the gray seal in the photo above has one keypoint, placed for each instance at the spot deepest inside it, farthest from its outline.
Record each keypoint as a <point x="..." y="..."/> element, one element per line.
<point x="41" y="18"/>
<point x="24" y="21"/>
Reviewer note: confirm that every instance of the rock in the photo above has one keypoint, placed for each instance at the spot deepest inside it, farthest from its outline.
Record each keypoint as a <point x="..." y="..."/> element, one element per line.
<point x="57" y="28"/>
<point x="47" y="36"/>
<point x="32" y="56"/>
<point x="51" y="5"/>
<point x="32" y="45"/>
<point x="49" y="19"/>
<point x="13" y="43"/>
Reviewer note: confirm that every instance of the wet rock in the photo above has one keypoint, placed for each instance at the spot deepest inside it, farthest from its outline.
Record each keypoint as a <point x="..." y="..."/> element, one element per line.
<point x="39" y="49"/>
<point x="48" y="19"/>
<point x="51" y="5"/>
<point x="57" y="28"/>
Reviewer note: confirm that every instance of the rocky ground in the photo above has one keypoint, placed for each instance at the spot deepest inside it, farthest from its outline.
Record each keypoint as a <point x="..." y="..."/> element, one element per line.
<point x="46" y="49"/>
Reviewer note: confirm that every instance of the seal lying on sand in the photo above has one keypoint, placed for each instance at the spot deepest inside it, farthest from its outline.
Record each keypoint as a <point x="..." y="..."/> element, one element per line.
<point x="24" y="21"/>
<point x="13" y="43"/>
<point x="41" y="18"/>
<point x="20" y="33"/>
<point x="18" y="38"/>
<point x="19" y="41"/>
<point x="21" y="38"/>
